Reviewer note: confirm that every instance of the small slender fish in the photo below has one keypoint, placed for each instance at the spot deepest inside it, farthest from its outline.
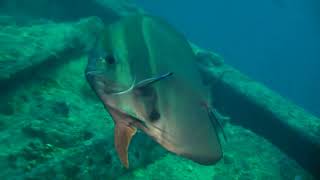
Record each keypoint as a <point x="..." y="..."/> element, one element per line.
<point x="145" y="74"/>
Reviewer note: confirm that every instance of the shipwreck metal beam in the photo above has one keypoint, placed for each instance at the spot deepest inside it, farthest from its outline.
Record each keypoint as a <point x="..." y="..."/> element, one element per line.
<point x="255" y="107"/>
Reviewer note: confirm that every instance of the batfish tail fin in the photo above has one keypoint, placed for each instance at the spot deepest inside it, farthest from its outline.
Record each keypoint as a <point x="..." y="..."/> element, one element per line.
<point x="216" y="119"/>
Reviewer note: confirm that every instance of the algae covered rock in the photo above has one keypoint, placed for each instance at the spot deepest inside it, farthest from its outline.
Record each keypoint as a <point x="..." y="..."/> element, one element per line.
<point x="68" y="10"/>
<point x="59" y="131"/>
<point x="24" y="48"/>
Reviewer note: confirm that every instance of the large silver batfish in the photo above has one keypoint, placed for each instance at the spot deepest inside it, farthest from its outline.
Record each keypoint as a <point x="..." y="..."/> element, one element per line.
<point x="145" y="74"/>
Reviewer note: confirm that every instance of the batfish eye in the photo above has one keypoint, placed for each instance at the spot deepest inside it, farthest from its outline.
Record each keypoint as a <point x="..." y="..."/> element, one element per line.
<point x="110" y="59"/>
<point x="154" y="115"/>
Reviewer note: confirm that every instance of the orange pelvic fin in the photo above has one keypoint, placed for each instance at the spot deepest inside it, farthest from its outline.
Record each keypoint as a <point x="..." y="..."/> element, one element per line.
<point x="122" y="138"/>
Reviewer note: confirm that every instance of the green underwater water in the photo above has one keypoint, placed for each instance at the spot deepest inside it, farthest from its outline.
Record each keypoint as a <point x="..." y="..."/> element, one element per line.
<point x="52" y="125"/>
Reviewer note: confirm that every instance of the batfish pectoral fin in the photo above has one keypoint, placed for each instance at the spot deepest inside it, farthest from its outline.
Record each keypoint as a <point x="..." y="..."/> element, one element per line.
<point x="150" y="81"/>
<point x="122" y="138"/>
<point x="144" y="84"/>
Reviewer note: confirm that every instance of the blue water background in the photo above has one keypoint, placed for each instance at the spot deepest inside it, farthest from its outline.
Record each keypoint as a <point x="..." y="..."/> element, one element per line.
<point x="276" y="42"/>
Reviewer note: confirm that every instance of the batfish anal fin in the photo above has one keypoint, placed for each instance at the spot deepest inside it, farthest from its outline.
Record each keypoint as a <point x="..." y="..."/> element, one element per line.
<point x="150" y="81"/>
<point x="122" y="138"/>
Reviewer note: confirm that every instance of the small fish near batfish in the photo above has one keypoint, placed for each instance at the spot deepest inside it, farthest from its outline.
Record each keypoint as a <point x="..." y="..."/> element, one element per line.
<point x="145" y="74"/>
